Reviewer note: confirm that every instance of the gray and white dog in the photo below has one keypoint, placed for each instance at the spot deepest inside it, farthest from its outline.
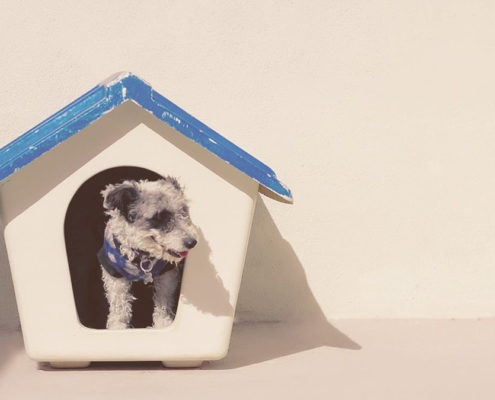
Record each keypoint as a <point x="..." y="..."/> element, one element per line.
<point x="148" y="234"/>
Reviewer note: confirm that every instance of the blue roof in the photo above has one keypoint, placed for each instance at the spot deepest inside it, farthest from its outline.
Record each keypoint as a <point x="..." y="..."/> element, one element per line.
<point x="110" y="94"/>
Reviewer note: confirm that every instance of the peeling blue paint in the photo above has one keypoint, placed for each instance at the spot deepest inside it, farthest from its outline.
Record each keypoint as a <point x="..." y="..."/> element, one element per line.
<point x="112" y="93"/>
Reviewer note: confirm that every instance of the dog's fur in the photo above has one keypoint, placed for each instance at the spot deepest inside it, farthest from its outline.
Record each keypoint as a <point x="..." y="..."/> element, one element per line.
<point x="151" y="217"/>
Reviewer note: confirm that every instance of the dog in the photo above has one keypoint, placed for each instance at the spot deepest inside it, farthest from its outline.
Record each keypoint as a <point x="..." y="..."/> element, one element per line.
<point x="147" y="237"/>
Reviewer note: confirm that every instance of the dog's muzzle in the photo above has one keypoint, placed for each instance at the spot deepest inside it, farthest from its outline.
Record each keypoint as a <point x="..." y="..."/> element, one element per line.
<point x="189" y="243"/>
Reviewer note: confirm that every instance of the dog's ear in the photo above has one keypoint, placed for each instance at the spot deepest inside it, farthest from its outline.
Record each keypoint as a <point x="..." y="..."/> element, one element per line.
<point x="120" y="197"/>
<point x="175" y="183"/>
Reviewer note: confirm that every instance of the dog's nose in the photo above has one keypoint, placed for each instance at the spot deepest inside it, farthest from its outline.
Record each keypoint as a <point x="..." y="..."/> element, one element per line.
<point x="189" y="243"/>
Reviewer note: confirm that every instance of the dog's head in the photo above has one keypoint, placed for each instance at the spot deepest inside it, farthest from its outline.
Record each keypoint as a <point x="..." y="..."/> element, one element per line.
<point x="152" y="216"/>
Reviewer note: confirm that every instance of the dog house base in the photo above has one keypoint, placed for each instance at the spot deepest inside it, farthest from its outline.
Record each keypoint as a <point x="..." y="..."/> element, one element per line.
<point x="182" y="364"/>
<point x="85" y="364"/>
<point x="69" y="364"/>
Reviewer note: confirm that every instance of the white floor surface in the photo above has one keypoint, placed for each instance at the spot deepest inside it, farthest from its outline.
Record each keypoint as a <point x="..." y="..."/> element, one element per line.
<point x="347" y="359"/>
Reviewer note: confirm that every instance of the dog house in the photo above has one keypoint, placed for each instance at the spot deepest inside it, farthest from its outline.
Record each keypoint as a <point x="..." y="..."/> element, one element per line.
<point x="51" y="182"/>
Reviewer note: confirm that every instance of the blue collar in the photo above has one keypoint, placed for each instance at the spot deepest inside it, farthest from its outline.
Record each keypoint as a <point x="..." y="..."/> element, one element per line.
<point x="141" y="268"/>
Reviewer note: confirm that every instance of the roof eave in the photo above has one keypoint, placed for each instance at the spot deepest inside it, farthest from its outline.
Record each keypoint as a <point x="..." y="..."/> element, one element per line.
<point x="108" y="95"/>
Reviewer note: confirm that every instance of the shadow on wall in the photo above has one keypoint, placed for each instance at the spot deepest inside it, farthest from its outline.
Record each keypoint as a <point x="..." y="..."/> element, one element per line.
<point x="198" y="291"/>
<point x="274" y="290"/>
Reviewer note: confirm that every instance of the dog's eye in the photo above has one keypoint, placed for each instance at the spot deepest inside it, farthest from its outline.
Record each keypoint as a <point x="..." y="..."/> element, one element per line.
<point x="162" y="216"/>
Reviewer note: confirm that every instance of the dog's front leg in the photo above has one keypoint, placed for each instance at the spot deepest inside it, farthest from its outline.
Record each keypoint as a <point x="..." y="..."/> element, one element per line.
<point x="118" y="293"/>
<point x="164" y="298"/>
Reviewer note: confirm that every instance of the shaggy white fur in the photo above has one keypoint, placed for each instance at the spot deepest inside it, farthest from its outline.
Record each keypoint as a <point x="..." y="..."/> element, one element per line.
<point x="117" y="291"/>
<point x="164" y="285"/>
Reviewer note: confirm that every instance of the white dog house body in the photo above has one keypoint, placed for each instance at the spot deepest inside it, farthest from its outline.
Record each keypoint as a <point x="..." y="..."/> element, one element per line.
<point x="124" y="123"/>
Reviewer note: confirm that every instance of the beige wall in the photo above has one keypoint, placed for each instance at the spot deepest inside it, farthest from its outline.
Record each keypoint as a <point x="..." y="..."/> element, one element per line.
<point x="380" y="117"/>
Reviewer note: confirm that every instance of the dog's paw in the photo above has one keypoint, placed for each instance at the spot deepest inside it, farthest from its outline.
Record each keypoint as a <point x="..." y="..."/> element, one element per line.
<point x="116" y="325"/>
<point x="163" y="322"/>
